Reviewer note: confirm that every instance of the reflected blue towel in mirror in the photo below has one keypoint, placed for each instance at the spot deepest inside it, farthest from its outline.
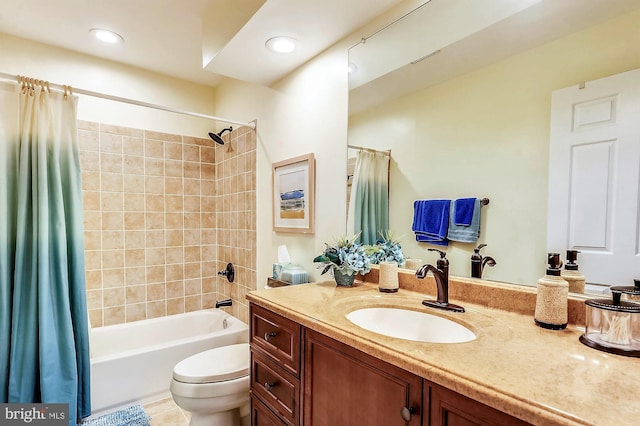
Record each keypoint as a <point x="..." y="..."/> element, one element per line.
<point x="431" y="221"/>
<point x="463" y="209"/>
<point x="463" y="233"/>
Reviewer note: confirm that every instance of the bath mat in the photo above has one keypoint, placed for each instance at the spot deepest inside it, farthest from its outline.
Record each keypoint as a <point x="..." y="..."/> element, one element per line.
<point x="129" y="416"/>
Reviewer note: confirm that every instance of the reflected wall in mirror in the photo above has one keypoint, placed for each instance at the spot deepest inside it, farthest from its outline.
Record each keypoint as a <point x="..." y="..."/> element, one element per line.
<point x="473" y="120"/>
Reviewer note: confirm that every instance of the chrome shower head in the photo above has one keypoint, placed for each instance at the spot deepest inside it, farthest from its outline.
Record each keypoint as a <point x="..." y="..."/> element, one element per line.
<point x="217" y="137"/>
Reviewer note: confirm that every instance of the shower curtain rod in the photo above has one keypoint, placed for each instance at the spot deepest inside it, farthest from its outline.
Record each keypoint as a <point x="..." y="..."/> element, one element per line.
<point x="361" y="148"/>
<point x="135" y="102"/>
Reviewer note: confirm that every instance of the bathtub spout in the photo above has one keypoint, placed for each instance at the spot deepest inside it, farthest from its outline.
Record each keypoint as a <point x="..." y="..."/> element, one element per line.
<point x="227" y="302"/>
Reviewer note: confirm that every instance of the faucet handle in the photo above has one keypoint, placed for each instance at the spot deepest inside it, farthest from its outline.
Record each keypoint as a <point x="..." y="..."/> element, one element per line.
<point x="443" y="254"/>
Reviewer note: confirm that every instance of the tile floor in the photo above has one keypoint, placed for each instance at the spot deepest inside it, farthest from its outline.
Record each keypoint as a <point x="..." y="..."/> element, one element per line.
<point x="166" y="413"/>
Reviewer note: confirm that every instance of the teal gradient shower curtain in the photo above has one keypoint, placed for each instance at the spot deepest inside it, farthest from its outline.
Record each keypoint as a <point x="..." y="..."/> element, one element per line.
<point x="369" y="204"/>
<point x="44" y="342"/>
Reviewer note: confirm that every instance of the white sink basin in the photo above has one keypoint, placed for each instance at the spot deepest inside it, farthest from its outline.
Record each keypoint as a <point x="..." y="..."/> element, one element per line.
<point x="411" y="325"/>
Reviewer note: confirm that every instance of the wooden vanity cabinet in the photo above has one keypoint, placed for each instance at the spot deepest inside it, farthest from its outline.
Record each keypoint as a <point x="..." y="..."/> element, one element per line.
<point x="275" y="368"/>
<point x="344" y="386"/>
<point x="449" y="408"/>
<point x="302" y="377"/>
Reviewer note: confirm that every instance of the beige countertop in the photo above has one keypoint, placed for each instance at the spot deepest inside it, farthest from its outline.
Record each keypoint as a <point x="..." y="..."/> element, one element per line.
<point x="541" y="376"/>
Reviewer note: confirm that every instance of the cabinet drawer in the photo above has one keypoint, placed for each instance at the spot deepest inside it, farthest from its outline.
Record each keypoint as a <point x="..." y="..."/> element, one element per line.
<point x="277" y="337"/>
<point x="277" y="389"/>
<point x="261" y="415"/>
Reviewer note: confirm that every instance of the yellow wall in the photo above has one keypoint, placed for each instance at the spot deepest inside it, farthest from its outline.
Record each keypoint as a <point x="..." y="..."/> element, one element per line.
<point x="486" y="134"/>
<point x="23" y="57"/>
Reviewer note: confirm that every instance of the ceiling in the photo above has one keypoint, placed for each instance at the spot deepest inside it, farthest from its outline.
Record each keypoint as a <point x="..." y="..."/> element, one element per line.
<point x="195" y="40"/>
<point x="530" y="24"/>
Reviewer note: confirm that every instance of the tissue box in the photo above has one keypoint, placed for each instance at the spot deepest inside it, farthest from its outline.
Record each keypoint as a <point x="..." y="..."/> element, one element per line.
<point x="294" y="274"/>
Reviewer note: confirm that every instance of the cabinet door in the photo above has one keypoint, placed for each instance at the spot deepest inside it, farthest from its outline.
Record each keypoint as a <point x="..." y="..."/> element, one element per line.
<point x="261" y="415"/>
<point x="449" y="408"/>
<point x="346" y="387"/>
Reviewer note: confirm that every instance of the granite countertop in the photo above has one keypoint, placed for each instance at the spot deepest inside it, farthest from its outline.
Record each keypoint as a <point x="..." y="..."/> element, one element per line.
<point x="541" y="376"/>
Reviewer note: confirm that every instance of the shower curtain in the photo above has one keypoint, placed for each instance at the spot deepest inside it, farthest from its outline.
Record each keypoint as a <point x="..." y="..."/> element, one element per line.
<point x="369" y="205"/>
<point x="44" y="336"/>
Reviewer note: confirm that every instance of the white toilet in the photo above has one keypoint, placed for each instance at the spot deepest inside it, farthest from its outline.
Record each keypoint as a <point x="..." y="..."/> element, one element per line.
<point x="214" y="386"/>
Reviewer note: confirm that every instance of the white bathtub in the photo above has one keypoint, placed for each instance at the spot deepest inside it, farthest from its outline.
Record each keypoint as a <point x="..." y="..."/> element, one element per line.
<point x="134" y="362"/>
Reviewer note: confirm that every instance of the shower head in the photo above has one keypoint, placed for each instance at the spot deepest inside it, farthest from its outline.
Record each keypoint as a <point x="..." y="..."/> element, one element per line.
<point x="217" y="137"/>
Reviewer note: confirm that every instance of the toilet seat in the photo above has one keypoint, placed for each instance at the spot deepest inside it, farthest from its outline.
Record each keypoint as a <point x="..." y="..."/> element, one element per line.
<point x="215" y="365"/>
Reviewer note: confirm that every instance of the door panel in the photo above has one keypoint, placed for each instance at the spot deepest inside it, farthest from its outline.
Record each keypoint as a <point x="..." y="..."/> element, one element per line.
<point x="594" y="175"/>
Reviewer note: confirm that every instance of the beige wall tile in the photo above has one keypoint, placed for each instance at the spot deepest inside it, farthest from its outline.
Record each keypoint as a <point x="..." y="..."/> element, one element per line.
<point x="175" y="289"/>
<point x="114" y="315"/>
<point x="150" y="134"/>
<point x="135" y="276"/>
<point x="90" y="180"/>
<point x="136" y="312"/>
<point x="120" y="130"/>
<point x="91" y="200"/>
<point x="136" y="294"/>
<point x="173" y="151"/>
<point x="110" y="142"/>
<point x="133" y="165"/>
<point x="154" y="214"/>
<point x="132" y="145"/>
<point x="175" y="306"/>
<point x="153" y="148"/>
<point x="156" y="309"/>
<point x="113" y="297"/>
<point x="134" y="239"/>
<point x="112" y="278"/>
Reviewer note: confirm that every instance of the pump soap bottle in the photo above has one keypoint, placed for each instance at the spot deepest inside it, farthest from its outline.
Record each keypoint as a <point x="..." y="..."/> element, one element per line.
<point x="571" y="274"/>
<point x="552" y="296"/>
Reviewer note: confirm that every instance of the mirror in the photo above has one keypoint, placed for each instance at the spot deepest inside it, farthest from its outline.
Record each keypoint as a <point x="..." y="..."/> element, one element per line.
<point x="462" y="98"/>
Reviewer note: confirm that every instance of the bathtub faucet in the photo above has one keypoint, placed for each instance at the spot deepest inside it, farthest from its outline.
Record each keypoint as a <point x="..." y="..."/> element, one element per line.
<point x="220" y="303"/>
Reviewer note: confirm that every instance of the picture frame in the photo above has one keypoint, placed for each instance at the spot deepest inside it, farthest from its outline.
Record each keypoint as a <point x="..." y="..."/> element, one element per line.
<point x="294" y="194"/>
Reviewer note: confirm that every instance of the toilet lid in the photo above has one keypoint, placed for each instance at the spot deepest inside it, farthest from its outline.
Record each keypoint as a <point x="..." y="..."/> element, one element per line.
<point x="214" y="365"/>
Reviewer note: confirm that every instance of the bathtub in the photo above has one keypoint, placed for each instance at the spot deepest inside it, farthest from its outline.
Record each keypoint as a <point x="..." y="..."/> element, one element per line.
<point x="134" y="362"/>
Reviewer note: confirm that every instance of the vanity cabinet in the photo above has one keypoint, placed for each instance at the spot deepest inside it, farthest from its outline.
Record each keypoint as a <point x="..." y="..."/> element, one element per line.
<point x="275" y="368"/>
<point x="344" y="386"/>
<point x="302" y="377"/>
<point x="449" y="408"/>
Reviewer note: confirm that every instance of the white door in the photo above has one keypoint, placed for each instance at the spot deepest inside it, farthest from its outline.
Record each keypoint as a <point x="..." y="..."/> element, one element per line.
<point x="594" y="177"/>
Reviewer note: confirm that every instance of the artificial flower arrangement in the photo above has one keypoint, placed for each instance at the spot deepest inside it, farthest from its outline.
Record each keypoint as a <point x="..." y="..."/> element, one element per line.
<point x="345" y="256"/>
<point x="387" y="249"/>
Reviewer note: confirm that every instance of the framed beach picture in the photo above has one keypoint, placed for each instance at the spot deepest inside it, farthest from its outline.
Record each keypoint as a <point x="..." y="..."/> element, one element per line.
<point x="293" y="194"/>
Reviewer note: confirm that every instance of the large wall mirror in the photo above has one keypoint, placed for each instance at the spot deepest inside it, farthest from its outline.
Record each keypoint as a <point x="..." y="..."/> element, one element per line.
<point x="460" y="92"/>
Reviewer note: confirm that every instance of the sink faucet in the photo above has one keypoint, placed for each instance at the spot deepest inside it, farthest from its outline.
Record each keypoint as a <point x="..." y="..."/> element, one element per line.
<point x="478" y="262"/>
<point x="441" y="275"/>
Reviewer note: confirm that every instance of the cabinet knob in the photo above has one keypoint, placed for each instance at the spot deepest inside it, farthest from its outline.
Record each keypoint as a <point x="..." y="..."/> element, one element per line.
<point x="406" y="413"/>
<point x="269" y="336"/>
<point x="269" y="386"/>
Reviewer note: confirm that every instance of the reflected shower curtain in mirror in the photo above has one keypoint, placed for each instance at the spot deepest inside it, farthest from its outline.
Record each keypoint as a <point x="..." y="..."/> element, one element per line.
<point x="44" y="330"/>
<point x="369" y="205"/>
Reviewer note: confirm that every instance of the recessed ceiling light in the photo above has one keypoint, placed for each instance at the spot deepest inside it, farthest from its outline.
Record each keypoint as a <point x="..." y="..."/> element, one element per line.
<point x="106" y="36"/>
<point x="281" y="44"/>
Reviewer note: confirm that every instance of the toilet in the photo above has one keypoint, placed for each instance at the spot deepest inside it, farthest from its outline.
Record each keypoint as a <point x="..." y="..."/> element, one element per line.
<point x="214" y="386"/>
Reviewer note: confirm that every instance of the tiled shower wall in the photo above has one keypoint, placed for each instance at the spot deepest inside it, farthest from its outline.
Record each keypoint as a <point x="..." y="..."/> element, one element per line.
<point x="163" y="214"/>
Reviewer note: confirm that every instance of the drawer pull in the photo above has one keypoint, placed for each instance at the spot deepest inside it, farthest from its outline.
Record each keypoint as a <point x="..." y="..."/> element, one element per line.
<point x="269" y="336"/>
<point x="406" y="413"/>
<point x="269" y="386"/>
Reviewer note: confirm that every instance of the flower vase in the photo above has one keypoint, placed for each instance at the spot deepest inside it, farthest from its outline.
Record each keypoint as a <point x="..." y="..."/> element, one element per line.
<point x="343" y="280"/>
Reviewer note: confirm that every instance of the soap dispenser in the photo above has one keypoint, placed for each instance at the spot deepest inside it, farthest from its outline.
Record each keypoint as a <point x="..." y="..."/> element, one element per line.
<point x="571" y="273"/>
<point x="552" y="296"/>
<point x="478" y="262"/>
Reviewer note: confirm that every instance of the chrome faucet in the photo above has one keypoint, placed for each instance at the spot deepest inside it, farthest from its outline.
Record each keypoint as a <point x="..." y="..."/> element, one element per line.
<point x="441" y="275"/>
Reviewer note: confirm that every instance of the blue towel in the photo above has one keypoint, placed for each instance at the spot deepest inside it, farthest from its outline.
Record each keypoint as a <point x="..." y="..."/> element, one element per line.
<point x="462" y="233"/>
<point x="463" y="211"/>
<point x="431" y="221"/>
